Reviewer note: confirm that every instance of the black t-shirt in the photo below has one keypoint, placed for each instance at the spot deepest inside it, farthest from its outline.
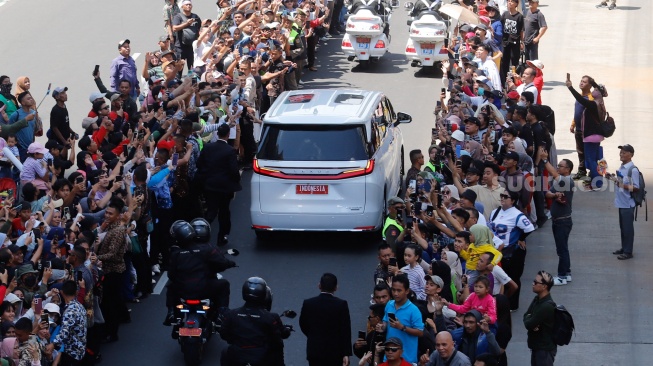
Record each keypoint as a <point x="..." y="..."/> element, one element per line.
<point x="513" y="25"/>
<point x="532" y="24"/>
<point x="180" y="18"/>
<point x="59" y="120"/>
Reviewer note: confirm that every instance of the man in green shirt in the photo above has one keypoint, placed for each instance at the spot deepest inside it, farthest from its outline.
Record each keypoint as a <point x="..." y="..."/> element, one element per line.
<point x="538" y="321"/>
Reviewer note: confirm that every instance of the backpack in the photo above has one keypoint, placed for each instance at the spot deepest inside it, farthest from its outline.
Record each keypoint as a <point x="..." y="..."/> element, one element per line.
<point x="640" y="195"/>
<point x="549" y="118"/>
<point x="607" y="123"/>
<point x="563" y="325"/>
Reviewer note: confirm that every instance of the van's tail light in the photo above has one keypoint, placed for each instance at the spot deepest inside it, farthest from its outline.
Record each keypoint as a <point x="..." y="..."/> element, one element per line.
<point x="357" y="172"/>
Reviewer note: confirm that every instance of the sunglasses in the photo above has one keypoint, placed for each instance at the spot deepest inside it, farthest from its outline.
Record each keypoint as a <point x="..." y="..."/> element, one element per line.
<point x="538" y="283"/>
<point x="504" y="196"/>
<point x="107" y="107"/>
<point x="446" y="192"/>
<point x="392" y="349"/>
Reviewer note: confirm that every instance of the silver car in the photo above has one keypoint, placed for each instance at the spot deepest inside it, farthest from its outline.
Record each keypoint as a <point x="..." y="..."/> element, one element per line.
<point x="328" y="160"/>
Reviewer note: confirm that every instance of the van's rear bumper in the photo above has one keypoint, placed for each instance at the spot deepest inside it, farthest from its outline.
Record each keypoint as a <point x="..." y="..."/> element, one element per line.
<point x="368" y="221"/>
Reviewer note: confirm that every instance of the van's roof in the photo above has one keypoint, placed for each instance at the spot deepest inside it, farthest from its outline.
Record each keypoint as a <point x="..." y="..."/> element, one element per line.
<point x="324" y="106"/>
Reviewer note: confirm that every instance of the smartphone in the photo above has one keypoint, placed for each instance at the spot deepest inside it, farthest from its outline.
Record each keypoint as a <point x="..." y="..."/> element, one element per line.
<point x="439" y="104"/>
<point x="175" y="159"/>
<point x="38" y="305"/>
<point x="96" y="70"/>
<point x="50" y="162"/>
<point x="79" y="179"/>
<point x="458" y="149"/>
<point x="48" y="264"/>
<point x="66" y="213"/>
<point x="79" y="276"/>
<point x="361" y="334"/>
<point x="434" y="131"/>
<point x="443" y="90"/>
<point x="45" y="318"/>
<point x="290" y="69"/>
<point x="412" y="184"/>
<point x="141" y="134"/>
<point x="568" y="76"/>
<point x="392" y="317"/>
<point x="426" y="187"/>
<point x="393" y="262"/>
<point x="125" y="150"/>
<point x="513" y="70"/>
<point x="429" y="208"/>
<point x="119" y="178"/>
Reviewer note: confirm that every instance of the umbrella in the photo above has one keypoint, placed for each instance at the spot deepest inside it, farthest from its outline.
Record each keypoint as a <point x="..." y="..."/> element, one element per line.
<point x="461" y="13"/>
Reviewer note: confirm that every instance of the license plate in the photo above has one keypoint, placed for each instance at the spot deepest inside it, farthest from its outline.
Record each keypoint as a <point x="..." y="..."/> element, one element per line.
<point x="428" y="46"/>
<point x="312" y="189"/>
<point x="427" y="51"/>
<point x="364" y="45"/>
<point x="363" y="39"/>
<point x="190" y="332"/>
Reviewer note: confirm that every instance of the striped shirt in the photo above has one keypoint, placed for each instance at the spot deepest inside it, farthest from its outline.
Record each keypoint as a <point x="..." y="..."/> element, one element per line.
<point x="416" y="278"/>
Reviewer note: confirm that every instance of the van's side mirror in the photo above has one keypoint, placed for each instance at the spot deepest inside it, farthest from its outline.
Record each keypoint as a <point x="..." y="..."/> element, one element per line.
<point x="409" y="22"/>
<point x="404" y="118"/>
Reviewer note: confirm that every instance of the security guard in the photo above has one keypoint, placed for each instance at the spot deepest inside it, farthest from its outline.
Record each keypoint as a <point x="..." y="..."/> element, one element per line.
<point x="255" y="335"/>
<point x="393" y="229"/>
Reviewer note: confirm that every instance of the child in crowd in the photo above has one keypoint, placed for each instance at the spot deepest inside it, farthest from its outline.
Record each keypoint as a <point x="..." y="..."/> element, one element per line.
<point x="415" y="273"/>
<point x="481" y="242"/>
<point x="480" y="300"/>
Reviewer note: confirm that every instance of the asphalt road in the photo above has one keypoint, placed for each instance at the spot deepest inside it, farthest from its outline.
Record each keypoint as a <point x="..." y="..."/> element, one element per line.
<point x="61" y="42"/>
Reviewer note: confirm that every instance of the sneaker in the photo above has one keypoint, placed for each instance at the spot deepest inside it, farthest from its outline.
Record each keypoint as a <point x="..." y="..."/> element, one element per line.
<point x="567" y="277"/>
<point x="156" y="269"/>
<point x="624" y="256"/>
<point x="580" y="174"/>
<point x="602" y="5"/>
<point x="612" y="6"/>
<point x="559" y="281"/>
<point x="618" y="252"/>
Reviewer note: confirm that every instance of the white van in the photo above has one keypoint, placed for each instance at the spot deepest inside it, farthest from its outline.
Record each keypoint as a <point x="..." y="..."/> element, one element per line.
<point x="328" y="160"/>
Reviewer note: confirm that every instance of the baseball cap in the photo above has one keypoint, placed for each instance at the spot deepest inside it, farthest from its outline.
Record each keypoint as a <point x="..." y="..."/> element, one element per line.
<point x="473" y="120"/>
<point x="121" y="43"/>
<point x="481" y="26"/>
<point x="164" y="38"/>
<point x="469" y="194"/>
<point x="535" y="63"/>
<point x="166" y="53"/>
<point x="395" y="200"/>
<point x="94" y="96"/>
<point x="113" y="96"/>
<point x="36" y="148"/>
<point x="628" y="148"/>
<point x="435" y="279"/>
<point x="512" y="155"/>
<point x="266" y="10"/>
<point x="491" y="5"/>
<point x="57" y="91"/>
<point x="51" y="308"/>
<point x="482" y="79"/>
<point x="394" y="340"/>
<point x="514" y="95"/>
<point x="88" y="121"/>
<point x="53" y="144"/>
<point x="466" y="28"/>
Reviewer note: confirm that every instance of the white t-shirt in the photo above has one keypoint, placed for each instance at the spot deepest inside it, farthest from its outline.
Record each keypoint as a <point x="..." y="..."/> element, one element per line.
<point x="200" y="49"/>
<point x="500" y="279"/>
<point x="509" y="224"/>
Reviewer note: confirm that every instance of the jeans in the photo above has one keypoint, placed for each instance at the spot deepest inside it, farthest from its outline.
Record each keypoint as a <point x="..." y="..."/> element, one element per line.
<point x="627" y="227"/>
<point x="580" y="149"/>
<point x="593" y="153"/>
<point x="561" y="230"/>
<point x="218" y="205"/>
<point x="542" y="358"/>
<point x="531" y="51"/>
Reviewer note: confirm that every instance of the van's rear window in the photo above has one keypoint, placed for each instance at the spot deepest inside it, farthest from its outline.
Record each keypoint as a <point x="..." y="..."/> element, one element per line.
<point x="313" y="143"/>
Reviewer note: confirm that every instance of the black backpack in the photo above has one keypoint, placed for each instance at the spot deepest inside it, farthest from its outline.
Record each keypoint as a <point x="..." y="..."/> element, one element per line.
<point x="640" y="196"/>
<point x="563" y="325"/>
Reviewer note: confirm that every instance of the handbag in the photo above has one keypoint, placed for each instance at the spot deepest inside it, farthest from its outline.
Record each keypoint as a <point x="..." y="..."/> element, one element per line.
<point x="136" y="245"/>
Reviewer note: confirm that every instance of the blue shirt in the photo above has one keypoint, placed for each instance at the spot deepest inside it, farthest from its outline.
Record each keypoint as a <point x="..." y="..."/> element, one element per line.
<point x="25" y="135"/>
<point x="123" y="68"/>
<point x="409" y="315"/>
<point x="622" y="198"/>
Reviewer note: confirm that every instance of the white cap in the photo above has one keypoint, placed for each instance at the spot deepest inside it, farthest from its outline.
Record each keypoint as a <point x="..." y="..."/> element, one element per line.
<point x="52" y="308"/>
<point x="458" y="135"/>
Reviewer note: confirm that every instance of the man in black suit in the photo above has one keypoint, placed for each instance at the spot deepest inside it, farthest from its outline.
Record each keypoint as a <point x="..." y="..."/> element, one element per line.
<point x="324" y="320"/>
<point x="217" y="173"/>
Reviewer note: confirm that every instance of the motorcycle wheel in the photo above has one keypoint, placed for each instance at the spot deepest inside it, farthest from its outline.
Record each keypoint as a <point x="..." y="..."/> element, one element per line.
<point x="192" y="352"/>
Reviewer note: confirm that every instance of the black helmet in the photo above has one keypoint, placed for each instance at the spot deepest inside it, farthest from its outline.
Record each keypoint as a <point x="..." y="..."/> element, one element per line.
<point x="255" y="290"/>
<point x="202" y="230"/>
<point x="182" y="232"/>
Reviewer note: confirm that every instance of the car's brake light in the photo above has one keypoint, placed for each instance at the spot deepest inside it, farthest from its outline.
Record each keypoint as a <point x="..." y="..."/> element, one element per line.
<point x="369" y="168"/>
<point x="192" y="302"/>
<point x="261" y="227"/>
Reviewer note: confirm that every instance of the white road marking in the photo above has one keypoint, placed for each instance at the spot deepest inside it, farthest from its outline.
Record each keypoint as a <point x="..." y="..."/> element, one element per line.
<point x="161" y="284"/>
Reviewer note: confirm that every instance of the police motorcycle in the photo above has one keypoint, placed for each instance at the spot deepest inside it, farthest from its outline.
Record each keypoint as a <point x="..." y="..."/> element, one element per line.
<point x="428" y="34"/>
<point x="254" y="334"/>
<point x="193" y="323"/>
<point x="367" y="32"/>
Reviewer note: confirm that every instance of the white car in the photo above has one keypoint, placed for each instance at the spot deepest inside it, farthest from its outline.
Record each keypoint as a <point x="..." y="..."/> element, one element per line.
<point x="328" y="160"/>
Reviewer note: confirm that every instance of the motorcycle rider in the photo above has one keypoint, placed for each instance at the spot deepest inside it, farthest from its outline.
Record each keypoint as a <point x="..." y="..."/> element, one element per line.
<point x="378" y="7"/>
<point x="423" y="5"/>
<point x="255" y="335"/>
<point x="193" y="267"/>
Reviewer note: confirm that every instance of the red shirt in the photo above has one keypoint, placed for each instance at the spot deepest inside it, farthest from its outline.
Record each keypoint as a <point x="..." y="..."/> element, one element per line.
<point x="403" y="363"/>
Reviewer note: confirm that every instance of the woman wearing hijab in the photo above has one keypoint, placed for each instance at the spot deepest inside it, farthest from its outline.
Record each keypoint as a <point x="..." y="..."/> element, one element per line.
<point x="475" y="149"/>
<point x="452" y="259"/>
<point x="9" y="349"/>
<point x="442" y="270"/>
<point x="7" y="98"/>
<point x="22" y="85"/>
<point x="593" y="115"/>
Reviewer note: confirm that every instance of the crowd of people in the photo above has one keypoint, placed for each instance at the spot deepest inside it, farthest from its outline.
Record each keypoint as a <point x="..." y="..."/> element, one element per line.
<point x="86" y="216"/>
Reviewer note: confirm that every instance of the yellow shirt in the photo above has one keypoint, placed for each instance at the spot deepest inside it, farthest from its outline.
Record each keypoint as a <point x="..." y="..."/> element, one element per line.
<point x="472" y="254"/>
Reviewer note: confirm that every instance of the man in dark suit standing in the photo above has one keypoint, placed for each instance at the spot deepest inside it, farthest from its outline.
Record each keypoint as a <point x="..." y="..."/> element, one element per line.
<point x="325" y="321"/>
<point x="217" y="173"/>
